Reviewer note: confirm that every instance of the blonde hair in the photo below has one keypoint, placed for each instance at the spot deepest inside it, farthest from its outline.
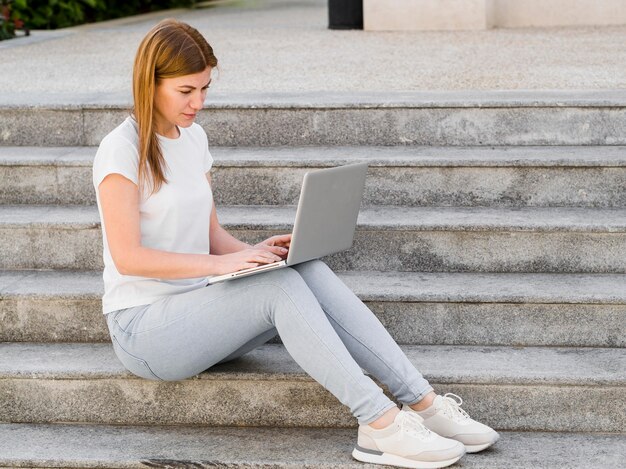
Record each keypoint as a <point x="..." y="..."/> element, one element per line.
<point x="170" y="49"/>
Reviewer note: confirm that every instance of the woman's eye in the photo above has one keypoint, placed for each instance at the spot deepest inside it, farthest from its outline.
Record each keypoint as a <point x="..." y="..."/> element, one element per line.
<point x="185" y="92"/>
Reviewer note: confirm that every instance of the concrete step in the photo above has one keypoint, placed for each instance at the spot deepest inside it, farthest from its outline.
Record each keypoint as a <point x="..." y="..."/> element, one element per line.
<point x="509" y="388"/>
<point x="91" y="446"/>
<point x="343" y="118"/>
<point x="440" y="239"/>
<point x="408" y="176"/>
<point x="416" y="308"/>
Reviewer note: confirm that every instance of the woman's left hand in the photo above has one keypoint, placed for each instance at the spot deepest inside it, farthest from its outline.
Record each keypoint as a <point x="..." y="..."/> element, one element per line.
<point x="278" y="244"/>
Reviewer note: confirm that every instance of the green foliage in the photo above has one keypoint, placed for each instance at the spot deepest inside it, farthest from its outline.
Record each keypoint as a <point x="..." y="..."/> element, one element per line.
<point x="49" y="14"/>
<point x="7" y="28"/>
<point x="9" y="21"/>
<point x="52" y="14"/>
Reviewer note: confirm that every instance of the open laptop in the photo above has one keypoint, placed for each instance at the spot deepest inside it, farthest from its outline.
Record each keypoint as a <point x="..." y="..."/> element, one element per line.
<point x="325" y="220"/>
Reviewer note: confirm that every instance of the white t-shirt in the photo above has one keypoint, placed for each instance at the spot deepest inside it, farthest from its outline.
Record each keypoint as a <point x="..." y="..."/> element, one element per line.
<point x="176" y="218"/>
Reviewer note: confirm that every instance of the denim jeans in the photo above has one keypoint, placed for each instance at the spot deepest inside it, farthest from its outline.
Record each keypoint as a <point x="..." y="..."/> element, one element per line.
<point x="323" y="325"/>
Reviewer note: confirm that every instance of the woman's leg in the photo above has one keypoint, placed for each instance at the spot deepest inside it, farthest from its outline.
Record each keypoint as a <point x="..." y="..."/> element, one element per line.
<point x="251" y="345"/>
<point x="367" y="340"/>
<point x="375" y="350"/>
<point x="182" y="335"/>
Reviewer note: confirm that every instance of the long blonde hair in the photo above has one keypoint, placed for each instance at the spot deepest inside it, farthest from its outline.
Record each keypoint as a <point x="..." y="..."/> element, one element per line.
<point x="170" y="49"/>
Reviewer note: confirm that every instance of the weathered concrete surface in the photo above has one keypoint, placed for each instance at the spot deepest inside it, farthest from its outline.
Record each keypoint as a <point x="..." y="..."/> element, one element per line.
<point x="121" y="101"/>
<point x="377" y="286"/>
<point x="91" y="446"/>
<point x="41" y="127"/>
<point x="417" y="156"/>
<point x="412" y="240"/>
<point x="416" y="308"/>
<point x="442" y="176"/>
<point x="50" y="306"/>
<point x="474" y="219"/>
<point x="46" y="175"/>
<point x="86" y="383"/>
<point x="460" y="187"/>
<point x="479" y="252"/>
<point x="503" y="324"/>
<point x="387" y="238"/>
<point x="375" y="156"/>
<point x="559" y="366"/>
<point x="50" y="237"/>
<point x="52" y="320"/>
<point x="291" y="404"/>
<point x="412" y="124"/>
<point x="408" y="176"/>
<point x="245" y="36"/>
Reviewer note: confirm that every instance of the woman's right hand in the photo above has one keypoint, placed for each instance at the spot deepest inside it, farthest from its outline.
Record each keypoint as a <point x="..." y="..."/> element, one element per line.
<point x="245" y="259"/>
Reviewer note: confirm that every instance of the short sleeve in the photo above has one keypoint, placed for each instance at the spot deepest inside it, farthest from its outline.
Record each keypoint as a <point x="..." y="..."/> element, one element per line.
<point x="118" y="157"/>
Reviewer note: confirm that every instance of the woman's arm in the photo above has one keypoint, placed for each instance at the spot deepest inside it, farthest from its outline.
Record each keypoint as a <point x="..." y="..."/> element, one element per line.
<point x="221" y="241"/>
<point x="119" y="200"/>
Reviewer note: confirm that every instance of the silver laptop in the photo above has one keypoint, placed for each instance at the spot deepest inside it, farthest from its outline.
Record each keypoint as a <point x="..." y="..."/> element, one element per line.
<point x="325" y="220"/>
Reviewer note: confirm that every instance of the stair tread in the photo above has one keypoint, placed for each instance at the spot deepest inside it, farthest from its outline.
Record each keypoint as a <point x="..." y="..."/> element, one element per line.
<point x="373" y="217"/>
<point x="321" y="156"/>
<point x="86" y="446"/>
<point x="376" y="286"/>
<point x="499" y="365"/>
<point x="335" y="99"/>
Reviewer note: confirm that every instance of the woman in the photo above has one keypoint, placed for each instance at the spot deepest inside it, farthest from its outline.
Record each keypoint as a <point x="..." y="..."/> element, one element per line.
<point x="162" y="239"/>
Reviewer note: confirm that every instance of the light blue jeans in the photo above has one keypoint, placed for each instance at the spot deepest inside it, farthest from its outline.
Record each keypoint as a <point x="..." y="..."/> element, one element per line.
<point x="323" y="325"/>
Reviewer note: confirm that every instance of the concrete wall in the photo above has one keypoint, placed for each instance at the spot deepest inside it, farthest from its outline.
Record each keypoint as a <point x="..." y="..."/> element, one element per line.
<point x="520" y="13"/>
<point x="425" y="15"/>
<point x="428" y="15"/>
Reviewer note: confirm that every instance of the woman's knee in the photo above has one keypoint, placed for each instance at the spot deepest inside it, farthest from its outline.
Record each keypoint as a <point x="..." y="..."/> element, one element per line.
<point x="313" y="267"/>
<point x="284" y="278"/>
<point x="286" y="284"/>
<point x="315" y="264"/>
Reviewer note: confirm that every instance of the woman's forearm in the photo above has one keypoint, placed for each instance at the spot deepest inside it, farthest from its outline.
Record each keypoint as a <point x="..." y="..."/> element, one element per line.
<point x="222" y="242"/>
<point x="153" y="263"/>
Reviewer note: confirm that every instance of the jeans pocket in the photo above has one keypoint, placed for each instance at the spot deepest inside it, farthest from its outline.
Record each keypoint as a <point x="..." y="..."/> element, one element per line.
<point x="123" y="318"/>
<point x="134" y="364"/>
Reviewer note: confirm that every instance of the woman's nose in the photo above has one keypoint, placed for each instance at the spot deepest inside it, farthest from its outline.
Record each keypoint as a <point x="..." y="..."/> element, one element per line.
<point x="197" y="102"/>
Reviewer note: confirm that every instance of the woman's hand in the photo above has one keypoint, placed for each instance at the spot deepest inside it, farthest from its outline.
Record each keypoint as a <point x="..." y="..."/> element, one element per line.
<point x="244" y="259"/>
<point x="278" y="244"/>
<point x="272" y="249"/>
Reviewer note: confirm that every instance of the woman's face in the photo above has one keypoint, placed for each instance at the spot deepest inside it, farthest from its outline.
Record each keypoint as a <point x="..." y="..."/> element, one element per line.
<point x="178" y="100"/>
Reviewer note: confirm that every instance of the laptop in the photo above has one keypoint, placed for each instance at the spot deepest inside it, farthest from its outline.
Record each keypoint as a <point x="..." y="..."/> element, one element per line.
<point x="326" y="217"/>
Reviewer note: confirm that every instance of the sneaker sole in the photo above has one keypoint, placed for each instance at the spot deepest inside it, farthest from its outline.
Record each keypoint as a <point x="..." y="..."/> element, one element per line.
<point x="477" y="448"/>
<point x="392" y="459"/>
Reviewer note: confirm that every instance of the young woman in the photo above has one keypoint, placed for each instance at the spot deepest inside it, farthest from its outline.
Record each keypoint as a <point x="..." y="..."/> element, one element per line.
<point x="162" y="239"/>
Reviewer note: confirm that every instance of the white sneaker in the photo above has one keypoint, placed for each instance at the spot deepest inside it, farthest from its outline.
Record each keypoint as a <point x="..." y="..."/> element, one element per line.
<point x="446" y="418"/>
<point x="406" y="443"/>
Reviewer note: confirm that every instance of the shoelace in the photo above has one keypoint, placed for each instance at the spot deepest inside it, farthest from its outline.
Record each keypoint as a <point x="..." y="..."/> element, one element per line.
<point x="412" y="424"/>
<point x="452" y="407"/>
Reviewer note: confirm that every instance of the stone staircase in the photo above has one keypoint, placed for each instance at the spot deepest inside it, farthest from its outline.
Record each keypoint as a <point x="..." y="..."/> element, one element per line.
<point x="496" y="258"/>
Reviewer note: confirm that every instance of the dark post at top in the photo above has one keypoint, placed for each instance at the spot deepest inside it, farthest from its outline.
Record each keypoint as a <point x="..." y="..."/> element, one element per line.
<point x="345" y="14"/>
